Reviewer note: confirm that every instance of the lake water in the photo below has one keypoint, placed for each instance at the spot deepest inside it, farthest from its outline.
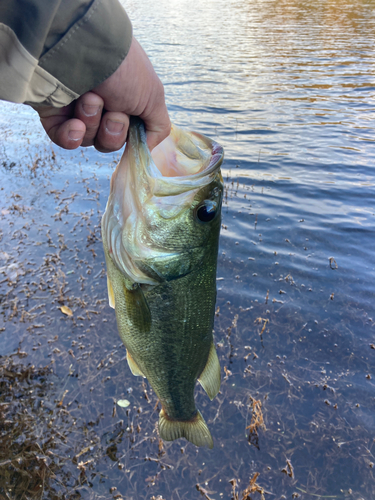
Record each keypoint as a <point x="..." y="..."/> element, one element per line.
<point x="287" y="87"/>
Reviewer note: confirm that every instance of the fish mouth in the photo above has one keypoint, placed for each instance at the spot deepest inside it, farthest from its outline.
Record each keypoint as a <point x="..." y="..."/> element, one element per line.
<point x="184" y="161"/>
<point x="146" y="182"/>
<point x="211" y="157"/>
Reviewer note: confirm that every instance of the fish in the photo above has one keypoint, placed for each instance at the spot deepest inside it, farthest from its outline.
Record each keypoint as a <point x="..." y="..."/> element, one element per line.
<point x="160" y="234"/>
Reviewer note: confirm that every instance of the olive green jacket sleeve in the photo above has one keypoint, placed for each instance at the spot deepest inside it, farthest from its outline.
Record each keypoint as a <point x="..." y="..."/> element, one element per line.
<point x="53" y="51"/>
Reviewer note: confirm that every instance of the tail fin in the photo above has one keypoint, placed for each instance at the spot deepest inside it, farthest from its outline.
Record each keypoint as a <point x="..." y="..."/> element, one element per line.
<point x="194" y="430"/>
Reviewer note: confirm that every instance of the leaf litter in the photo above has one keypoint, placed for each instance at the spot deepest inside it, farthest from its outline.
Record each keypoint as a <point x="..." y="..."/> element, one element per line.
<point x="61" y="381"/>
<point x="66" y="310"/>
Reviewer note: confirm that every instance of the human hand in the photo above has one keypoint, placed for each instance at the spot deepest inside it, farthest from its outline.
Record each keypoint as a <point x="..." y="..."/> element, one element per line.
<point x="101" y="117"/>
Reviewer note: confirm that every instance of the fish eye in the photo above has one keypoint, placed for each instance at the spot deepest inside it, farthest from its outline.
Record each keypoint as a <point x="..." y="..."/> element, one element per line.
<point x="206" y="211"/>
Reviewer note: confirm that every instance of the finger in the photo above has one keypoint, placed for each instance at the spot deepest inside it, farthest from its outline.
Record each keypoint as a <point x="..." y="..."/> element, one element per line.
<point x="69" y="134"/>
<point x="89" y="109"/>
<point x="64" y="131"/>
<point x="135" y="89"/>
<point x="156" y="117"/>
<point x="112" y="132"/>
<point x="158" y="130"/>
<point x="154" y="113"/>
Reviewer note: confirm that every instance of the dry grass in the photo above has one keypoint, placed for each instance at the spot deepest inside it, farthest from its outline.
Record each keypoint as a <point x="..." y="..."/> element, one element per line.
<point x="257" y="421"/>
<point x="252" y="488"/>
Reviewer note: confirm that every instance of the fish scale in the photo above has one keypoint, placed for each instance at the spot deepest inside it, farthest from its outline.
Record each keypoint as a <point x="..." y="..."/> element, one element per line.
<point x="161" y="256"/>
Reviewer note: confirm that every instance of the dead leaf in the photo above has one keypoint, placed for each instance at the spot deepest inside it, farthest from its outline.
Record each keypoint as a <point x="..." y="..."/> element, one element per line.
<point x="66" y="310"/>
<point x="124" y="403"/>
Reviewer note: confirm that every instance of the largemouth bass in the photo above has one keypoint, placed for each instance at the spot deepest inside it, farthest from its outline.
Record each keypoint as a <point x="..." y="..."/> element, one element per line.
<point x="160" y="234"/>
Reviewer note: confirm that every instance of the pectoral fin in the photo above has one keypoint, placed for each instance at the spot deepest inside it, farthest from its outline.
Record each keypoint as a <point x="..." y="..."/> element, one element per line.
<point x="210" y="377"/>
<point x="133" y="365"/>
<point x="111" y="295"/>
<point x="132" y="312"/>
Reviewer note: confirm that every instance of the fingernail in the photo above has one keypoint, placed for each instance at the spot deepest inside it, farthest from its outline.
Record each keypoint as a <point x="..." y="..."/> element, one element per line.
<point x="90" y="109"/>
<point x="114" y="128"/>
<point x="75" y="135"/>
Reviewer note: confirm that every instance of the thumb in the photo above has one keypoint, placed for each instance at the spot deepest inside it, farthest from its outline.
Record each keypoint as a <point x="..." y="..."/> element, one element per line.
<point x="156" y="137"/>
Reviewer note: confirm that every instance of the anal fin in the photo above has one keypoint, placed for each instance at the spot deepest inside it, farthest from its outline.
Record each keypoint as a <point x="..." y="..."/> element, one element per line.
<point x="210" y="377"/>
<point x="133" y="366"/>
<point x="111" y="295"/>
<point x="194" y="430"/>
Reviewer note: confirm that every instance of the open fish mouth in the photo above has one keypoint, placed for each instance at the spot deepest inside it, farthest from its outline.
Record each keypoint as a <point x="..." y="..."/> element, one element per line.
<point x="151" y="189"/>
<point x="184" y="165"/>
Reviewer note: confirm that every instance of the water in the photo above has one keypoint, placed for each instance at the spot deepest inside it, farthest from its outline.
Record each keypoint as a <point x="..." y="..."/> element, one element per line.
<point x="287" y="88"/>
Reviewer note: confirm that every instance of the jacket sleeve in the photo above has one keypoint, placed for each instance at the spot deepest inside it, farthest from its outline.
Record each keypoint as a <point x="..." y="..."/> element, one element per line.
<point x="53" y="51"/>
